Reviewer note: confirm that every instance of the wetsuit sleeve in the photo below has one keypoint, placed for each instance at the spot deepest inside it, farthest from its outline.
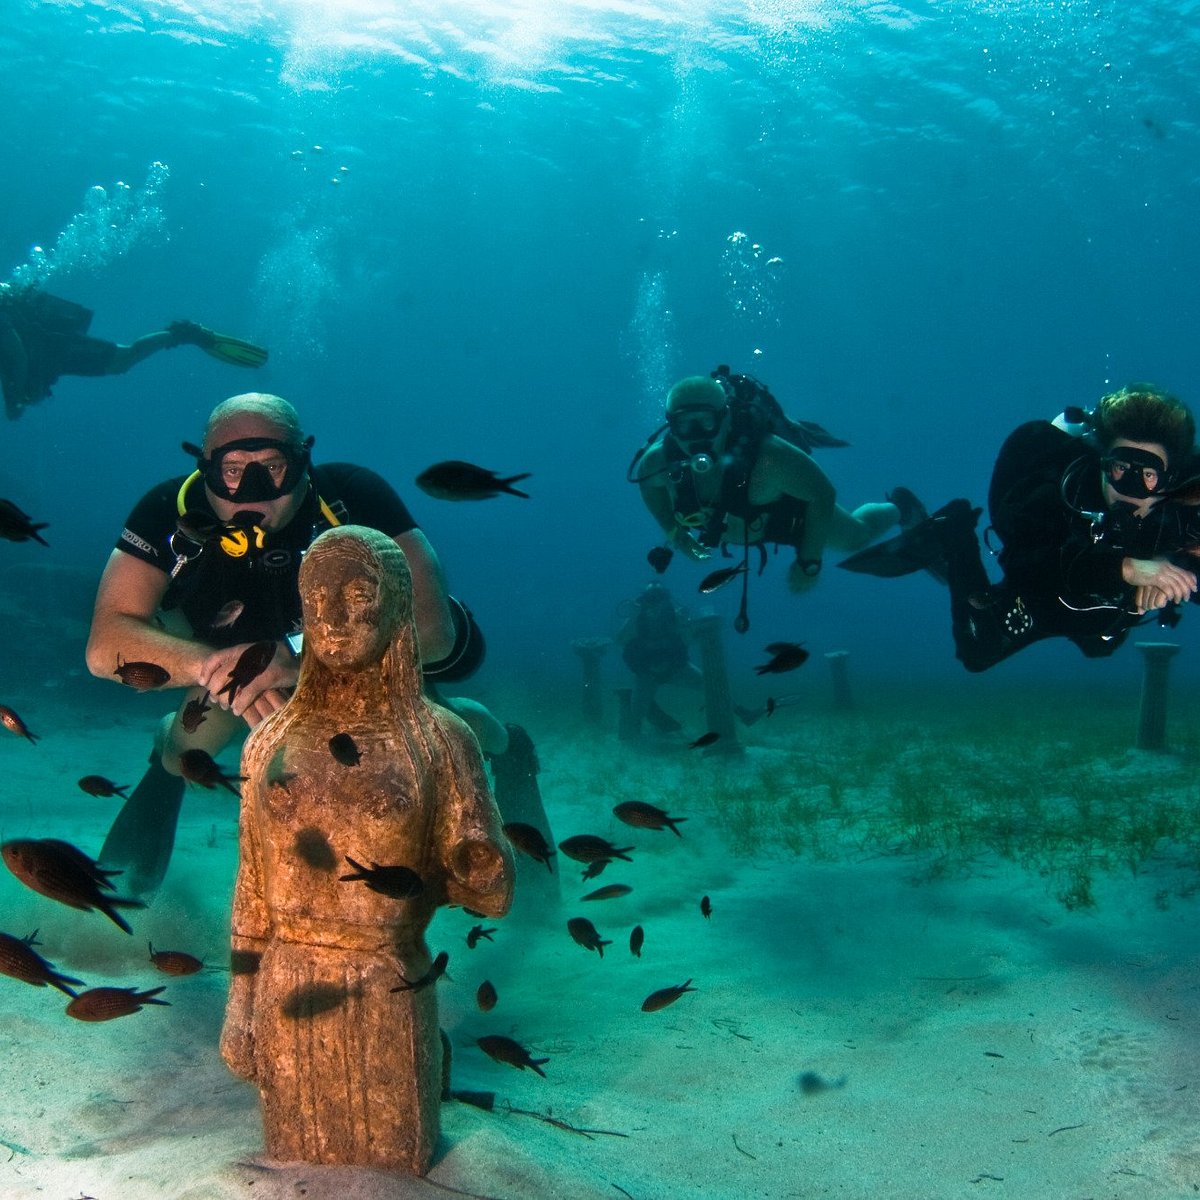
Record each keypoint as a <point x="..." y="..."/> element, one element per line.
<point x="368" y="498"/>
<point x="150" y="524"/>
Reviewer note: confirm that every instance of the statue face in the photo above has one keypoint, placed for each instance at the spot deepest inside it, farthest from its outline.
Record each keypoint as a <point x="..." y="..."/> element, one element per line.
<point x="344" y="624"/>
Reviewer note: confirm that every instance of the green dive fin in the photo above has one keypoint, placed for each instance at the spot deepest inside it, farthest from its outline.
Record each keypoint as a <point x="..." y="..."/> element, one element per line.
<point x="235" y="351"/>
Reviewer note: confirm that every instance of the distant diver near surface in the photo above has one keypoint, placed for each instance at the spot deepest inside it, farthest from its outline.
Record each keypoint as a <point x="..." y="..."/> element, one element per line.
<point x="1099" y="518"/>
<point x="43" y="337"/>
<point x="730" y="469"/>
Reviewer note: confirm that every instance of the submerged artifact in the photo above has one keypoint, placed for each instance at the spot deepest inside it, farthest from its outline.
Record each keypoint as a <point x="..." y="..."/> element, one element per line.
<point x="349" y="1065"/>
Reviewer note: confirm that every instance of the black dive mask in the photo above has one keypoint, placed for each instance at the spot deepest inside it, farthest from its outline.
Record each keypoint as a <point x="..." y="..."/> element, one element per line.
<point x="254" y="483"/>
<point x="1135" y="474"/>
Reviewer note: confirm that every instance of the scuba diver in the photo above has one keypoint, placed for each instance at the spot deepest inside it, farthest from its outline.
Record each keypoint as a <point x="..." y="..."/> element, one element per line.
<point x="730" y="469"/>
<point x="43" y="337"/>
<point x="1098" y="522"/>
<point x="207" y="566"/>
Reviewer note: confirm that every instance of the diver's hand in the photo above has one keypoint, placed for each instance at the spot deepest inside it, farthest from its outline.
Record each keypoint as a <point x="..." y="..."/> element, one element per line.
<point x="1150" y="575"/>
<point x="263" y="694"/>
<point x="799" y="581"/>
<point x="1149" y="599"/>
<point x="687" y="544"/>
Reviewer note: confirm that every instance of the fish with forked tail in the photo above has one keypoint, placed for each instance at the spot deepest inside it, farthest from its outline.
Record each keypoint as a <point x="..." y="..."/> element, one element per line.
<point x="458" y="480"/>
<point x="646" y="816"/>
<point x="785" y="656"/>
<point x="62" y="872"/>
<point x="665" y="996"/>
<point x="587" y="935"/>
<point x="19" y="960"/>
<point x="505" y="1050"/>
<point x="396" y="882"/>
<point x="529" y="840"/>
<point x="199" y="767"/>
<point x="108" y="1003"/>
<point x="587" y="848"/>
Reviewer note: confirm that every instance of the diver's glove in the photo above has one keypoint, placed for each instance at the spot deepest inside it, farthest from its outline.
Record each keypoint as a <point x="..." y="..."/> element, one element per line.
<point x="189" y="333"/>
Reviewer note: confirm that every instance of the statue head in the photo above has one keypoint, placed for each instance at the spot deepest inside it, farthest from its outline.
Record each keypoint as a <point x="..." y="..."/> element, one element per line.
<point x="356" y="594"/>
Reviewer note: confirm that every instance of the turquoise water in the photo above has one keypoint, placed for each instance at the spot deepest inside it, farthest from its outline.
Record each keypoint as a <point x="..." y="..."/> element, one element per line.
<point x="498" y="232"/>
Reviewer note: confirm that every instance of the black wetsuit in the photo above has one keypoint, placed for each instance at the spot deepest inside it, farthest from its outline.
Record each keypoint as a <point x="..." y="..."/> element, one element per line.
<point x="263" y="580"/>
<point x="1062" y="569"/>
<point x="43" y="336"/>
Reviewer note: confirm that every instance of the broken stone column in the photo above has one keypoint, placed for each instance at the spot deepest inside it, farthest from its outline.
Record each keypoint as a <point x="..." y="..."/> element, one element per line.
<point x="839" y="669"/>
<point x="718" y="702"/>
<point x="365" y="807"/>
<point x="1152" y="716"/>
<point x="591" y="651"/>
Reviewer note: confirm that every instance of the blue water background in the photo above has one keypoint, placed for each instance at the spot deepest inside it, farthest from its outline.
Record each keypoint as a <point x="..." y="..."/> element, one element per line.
<point x="983" y="212"/>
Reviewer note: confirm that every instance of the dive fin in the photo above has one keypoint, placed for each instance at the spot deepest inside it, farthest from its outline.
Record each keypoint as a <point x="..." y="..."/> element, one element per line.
<point x="143" y="834"/>
<point x="915" y="549"/>
<point x="235" y="351"/>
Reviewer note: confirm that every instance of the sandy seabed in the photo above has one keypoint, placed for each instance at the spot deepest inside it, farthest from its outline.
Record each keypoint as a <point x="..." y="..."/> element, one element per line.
<point x="877" y="1016"/>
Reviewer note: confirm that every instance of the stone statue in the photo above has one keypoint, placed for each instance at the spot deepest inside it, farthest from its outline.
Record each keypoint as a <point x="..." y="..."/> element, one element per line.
<point x="364" y="808"/>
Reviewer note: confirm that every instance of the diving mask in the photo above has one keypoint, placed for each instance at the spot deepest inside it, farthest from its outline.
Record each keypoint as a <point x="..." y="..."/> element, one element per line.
<point x="695" y="422"/>
<point x="254" y="482"/>
<point x="1135" y="473"/>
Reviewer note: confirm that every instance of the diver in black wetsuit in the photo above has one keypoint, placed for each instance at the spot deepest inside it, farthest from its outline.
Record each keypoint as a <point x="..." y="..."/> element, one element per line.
<point x="1090" y="546"/>
<point x="207" y="565"/>
<point x="43" y="336"/>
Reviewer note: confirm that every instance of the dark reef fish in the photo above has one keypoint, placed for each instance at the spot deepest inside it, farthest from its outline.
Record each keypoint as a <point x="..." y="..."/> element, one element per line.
<point x="62" y="872"/>
<point x="665" y="996"/>
<point x="106" y="1003"/>
<point x="660" y="558"/>
<point x="705" y="907"/>
<point x="587" y="848"/>
<point x="505" y="1050"/>
<point x="199" y="767"/>
<point x="19" y="960"/>
<point x="436" y="970"/>
<point x="194" y="712"/>
<point x="228" y="614"/>
<point x="637" y="937"/>
<point x="458" y="480"/>
<point x="344" y="750"/>
<point x="485" y="996"/>
<point x="142" y="676"/>
<point x="610" y="892"/>
<point x="705" y="739"/>
<point x="98" y="785"/>
<point x="529" y="840"/>
<point x="596" y="867"/>
<point x="718" y="579"/>
<point x="641" y="815"/>
<point x="476" y="932"/>
<point x="12" y="722"/>
<point x="586" y="935"/>
<point x="251" y="663"/>
<point x="16" y="526"/>
<point x="785" y="656"/>
<point x="397" y="882"/>
<point x="174" y="962"/>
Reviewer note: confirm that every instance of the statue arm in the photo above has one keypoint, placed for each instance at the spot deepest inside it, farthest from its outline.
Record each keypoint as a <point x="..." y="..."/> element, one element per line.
<point x="476" y="857"/>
